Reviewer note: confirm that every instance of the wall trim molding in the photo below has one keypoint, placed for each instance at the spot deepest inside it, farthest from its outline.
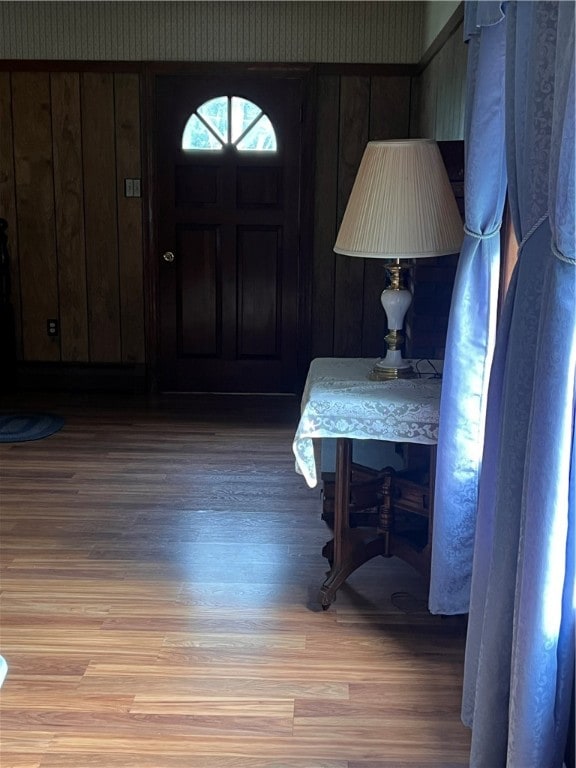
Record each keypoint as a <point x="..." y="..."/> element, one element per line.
<point x="365" y="70"/>
<point x="169" y="67"/>
<point x="69" y="65"/>
<point x="80" y="377"/>
<point x="441" y="39"/>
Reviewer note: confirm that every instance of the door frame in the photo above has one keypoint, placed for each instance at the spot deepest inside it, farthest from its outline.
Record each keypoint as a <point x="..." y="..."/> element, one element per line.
<point x="307" y="74"/>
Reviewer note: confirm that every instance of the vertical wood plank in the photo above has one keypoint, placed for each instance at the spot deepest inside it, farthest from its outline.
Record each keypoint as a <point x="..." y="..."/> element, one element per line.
<point x="354" y="122"/>
<point x="389" y="119"/>
<point x="35" y="204"/>
<point x="389" y="107"/>
<point x="326" y="197"/>
<point x="8" y="201"/>
<point x="428" y="91"/>
<point x="69" y="199"/>
<point x="415" y="106"/>
<point x="130" y="246"/>
<point x="99" y="165"/>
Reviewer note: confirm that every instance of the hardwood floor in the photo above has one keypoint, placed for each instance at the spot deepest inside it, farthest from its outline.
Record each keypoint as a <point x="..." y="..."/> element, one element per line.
<point x="161" y="563"/>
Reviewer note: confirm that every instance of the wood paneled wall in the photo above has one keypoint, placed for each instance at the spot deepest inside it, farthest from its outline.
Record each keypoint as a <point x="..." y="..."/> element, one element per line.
<point x="76" y="243"/>
<point x="68" y="140"/>
<point x="347" y="317"/>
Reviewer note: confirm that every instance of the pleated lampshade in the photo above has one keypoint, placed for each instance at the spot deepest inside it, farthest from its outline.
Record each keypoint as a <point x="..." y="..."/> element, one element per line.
<point x="401" y="205"/>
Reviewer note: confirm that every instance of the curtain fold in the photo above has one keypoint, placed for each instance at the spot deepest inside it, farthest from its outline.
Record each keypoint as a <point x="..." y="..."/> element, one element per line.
<point x="519" y="662"/>
<point x="472" y="322"/>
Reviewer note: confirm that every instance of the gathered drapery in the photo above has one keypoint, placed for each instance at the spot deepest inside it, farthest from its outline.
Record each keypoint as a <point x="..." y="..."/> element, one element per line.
<point x="472" y="322"/>
<point x="520" y="647"/>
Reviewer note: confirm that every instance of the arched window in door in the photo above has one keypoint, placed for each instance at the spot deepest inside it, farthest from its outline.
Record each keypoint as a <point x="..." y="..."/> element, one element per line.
<point x="229" y="120"/>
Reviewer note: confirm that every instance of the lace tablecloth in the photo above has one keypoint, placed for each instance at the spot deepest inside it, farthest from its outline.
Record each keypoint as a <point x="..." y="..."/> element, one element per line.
<point x="340" y="401"/>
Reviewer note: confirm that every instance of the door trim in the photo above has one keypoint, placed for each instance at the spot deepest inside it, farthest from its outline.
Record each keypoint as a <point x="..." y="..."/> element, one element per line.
<point x="307" y="74"/>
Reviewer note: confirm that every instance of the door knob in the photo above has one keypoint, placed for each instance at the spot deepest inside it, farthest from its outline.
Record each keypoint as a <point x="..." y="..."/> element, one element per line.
<point x="168" y="256"/>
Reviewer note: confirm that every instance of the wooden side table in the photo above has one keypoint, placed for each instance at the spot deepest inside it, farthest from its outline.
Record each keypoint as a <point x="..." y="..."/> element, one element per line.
<point x="339" y="401"/>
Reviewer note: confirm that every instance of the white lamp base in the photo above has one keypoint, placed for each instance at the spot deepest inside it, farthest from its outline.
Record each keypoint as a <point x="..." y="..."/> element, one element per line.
<point x="393" y="366"/>
<point x="395" y="300"/>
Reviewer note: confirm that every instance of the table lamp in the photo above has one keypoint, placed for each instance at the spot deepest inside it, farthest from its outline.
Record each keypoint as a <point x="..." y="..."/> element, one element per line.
<point x="401" y="207"/>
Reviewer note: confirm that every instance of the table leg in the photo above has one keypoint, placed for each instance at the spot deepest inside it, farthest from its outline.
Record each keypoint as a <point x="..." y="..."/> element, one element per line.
<point x="350" y="549"/>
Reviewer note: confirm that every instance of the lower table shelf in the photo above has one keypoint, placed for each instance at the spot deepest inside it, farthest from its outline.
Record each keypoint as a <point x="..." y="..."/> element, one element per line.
<point x="386" y="512"/>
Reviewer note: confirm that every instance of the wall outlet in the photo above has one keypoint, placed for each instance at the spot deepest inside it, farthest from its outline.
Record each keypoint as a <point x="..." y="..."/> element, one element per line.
<point x="52" y="327"/>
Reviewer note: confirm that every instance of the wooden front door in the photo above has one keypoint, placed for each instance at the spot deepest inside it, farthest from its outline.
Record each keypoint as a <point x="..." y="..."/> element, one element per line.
<point x="227" y="218"/>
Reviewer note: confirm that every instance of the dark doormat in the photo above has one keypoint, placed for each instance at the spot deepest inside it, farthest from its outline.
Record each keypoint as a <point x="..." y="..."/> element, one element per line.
<point x="21" y="427"/>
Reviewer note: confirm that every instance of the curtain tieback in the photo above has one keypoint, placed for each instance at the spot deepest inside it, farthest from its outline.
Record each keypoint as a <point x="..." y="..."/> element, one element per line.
<point x="553" y="245"/>
<point x="531" y="231"/>
<point x="562" y="256"/>
<point x="482" y="235"/>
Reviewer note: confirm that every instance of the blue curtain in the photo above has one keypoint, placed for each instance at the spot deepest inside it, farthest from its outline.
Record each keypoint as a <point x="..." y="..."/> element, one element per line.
<point x="519" y="663"/>
<point x="472" y="323"/>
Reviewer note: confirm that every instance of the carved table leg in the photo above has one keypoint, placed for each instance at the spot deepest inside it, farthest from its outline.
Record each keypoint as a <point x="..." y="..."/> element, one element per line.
<point x="386" y="514"/>
<point x="349" y="549"/>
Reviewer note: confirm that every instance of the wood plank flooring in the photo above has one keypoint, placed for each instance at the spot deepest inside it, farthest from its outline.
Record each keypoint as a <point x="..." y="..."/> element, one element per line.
<point x="161" y="562"/>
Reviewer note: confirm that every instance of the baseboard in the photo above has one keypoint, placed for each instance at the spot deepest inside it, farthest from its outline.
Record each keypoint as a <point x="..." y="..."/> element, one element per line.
<point x="80" y="377"/>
